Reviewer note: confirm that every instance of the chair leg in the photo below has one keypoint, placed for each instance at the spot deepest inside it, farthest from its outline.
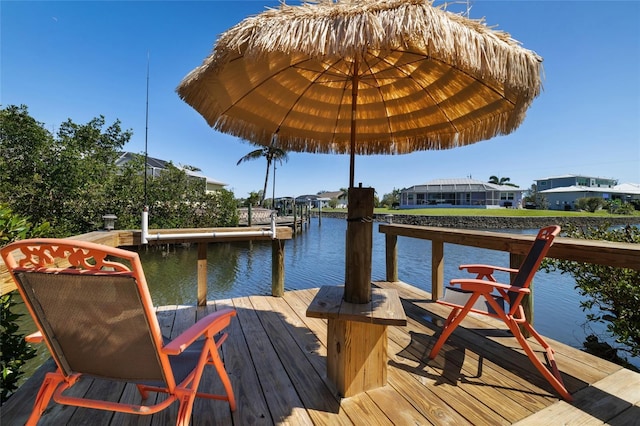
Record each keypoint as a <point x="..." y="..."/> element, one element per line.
<point x="554" y="379"/>
<point x="186" y="407"/>
<point x="453" y="320"/>
<point x="224" y="377"/>
<point x="46" y="391"/>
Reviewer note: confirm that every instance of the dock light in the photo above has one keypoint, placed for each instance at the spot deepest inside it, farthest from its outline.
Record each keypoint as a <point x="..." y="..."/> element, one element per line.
<point x="109" y="221"/>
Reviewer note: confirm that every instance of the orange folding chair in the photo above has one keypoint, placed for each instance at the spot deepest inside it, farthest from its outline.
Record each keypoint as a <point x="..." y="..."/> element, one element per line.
<point x="484" y="295"/>
<point x="96" y="316"/>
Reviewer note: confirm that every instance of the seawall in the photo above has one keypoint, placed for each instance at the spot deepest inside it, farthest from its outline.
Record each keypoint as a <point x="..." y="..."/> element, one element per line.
<point x="493" y="222"/>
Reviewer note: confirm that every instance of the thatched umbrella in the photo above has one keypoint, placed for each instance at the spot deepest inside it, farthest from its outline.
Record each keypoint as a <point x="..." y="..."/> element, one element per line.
<point x="363" y="77"/>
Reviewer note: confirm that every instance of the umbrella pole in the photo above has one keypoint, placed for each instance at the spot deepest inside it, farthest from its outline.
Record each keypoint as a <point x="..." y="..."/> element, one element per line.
<point x="357" y="287"/>
<point x="354" y="103"/>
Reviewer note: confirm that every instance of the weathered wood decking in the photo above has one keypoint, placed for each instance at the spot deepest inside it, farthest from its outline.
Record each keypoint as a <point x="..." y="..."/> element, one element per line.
<point x="276" y="358"/>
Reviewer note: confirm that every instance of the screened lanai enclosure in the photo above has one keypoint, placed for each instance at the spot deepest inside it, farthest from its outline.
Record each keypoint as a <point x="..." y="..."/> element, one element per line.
<point x="463" y="192"/>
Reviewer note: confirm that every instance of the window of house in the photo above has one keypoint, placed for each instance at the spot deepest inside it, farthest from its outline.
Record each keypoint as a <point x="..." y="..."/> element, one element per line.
<point x="507" y="196"/>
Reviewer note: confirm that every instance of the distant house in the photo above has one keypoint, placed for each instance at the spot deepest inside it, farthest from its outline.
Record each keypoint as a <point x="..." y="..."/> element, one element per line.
<point x="155" y="167"/>
<point x="561" y="192"/>
<point x="340" y="196"/>
<point x="312" y="200"/>
<point x="574" y="180"/>
<point x="461" y="192"/>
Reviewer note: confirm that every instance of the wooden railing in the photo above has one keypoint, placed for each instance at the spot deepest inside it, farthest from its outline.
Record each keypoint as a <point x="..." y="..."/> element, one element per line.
<point x="623" y="255"/>
<point x="133" y="238"/>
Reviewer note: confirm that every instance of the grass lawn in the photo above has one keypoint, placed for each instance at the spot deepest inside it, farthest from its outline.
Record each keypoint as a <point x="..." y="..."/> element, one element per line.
<point x="487" y="212"/>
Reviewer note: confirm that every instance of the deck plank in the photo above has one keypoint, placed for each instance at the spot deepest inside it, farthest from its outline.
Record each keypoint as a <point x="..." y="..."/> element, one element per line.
<point x="283" y="403"/>
<point x="207" y="412"/>
<point x="361" y="409"/>
<point x="276" y="358"/>
<point x="252" y="406"/>
<point x="320" y="400"/>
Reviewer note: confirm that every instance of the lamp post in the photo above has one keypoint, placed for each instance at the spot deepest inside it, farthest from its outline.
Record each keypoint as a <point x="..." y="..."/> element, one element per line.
<point x="109" y="221"/>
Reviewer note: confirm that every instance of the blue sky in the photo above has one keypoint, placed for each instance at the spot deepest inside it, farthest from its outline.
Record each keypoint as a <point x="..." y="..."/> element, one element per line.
<point x="83" y="59"/>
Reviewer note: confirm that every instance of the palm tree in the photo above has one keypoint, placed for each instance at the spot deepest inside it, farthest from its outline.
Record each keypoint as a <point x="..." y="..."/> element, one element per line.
<point x="501" y="181"/>
<point x="272" y="155"/>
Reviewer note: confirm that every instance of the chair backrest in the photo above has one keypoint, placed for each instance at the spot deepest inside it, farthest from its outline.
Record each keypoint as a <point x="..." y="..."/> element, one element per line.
<point x="96" y="315"/>
<point x="536" y="254"/>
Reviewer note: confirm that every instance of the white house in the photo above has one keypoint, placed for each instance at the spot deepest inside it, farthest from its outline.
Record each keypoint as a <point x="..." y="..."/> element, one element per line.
<point x="461" y="192"/>
<point x="564" y="197"/>
<point x="341" y="198"/>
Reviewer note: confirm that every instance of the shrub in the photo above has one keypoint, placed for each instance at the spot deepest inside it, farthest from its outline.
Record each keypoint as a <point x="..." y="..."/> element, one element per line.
<point x="589" y="204"/>
<point x="612" y="294"/>
<point x="14" y="350"/>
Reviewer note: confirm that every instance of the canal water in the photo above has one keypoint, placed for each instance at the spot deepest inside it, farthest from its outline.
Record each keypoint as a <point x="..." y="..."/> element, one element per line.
<point x="316" y="257"/>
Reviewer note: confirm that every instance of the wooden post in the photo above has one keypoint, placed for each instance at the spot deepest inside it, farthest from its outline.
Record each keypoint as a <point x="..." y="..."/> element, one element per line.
<point x="202" y="274"/>
<point x="357" y="287"/>
<point x="249" y="215"/>
<point x="437" y="269"/>
<point x="391" y="255"/>
<point x="277" y="268"/>
<point x="515" y="261"/>
<point x="295" y="219"/>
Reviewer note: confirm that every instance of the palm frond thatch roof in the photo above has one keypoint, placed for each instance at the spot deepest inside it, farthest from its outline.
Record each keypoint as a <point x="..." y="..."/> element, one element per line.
<point x="426" y="78"/>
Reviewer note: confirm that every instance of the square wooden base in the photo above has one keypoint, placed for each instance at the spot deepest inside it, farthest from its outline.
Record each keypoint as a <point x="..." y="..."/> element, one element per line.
<point x="357" y="337"/>
<point x="356" y="356"/>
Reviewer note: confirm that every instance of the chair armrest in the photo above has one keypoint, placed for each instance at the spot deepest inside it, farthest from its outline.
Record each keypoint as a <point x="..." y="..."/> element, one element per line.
<point x="36" y="337"/>
<point x="473" y="284"/>
<point x="485" y="269"/>
<point x="209" y="325"/>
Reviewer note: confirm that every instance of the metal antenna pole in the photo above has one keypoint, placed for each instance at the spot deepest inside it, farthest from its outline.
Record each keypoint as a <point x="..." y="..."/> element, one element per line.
<point x="146" y="135"/>
<point x="145" y="210"/>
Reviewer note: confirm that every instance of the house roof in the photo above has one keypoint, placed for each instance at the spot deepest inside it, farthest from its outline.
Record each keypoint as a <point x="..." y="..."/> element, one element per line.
<point x="464" y="184"/>
<point x="631" y="188"/>
<point x="627" y="188"/>
<point x="157" y="163"/>
<point x="308" y="197"/>
<point x="331" y="194"/>
<point x="200" y="175"/>
<point x="574" y="176"/>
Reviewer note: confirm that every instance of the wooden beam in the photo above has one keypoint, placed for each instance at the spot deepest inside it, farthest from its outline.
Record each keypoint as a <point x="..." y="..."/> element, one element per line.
<point x="358" y="245"/>
<point x="202" y="274"/>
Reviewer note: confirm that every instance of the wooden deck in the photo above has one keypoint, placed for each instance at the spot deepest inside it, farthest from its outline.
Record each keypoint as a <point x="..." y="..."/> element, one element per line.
<point x="276" y="358"/>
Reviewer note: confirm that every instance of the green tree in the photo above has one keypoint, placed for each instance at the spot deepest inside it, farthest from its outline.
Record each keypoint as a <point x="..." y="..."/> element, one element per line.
<point x="272" y="155"/>
<point x="501" y="181"/>
<point x="61" y="179"/>
<point x="254" y="198"/>
<point x="175" y="199"/>
<point x="612" y="294"/>
<point x="391" y="199"/>
<point x="534" y="198"/>
<point x="25" y="147"/>
<point x="71" y="180"/>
